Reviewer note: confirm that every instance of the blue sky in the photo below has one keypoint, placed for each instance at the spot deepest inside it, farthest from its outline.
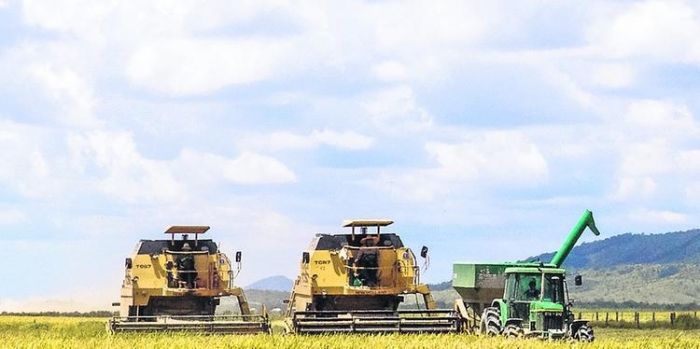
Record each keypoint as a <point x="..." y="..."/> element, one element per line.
<point x="484" y="129"/>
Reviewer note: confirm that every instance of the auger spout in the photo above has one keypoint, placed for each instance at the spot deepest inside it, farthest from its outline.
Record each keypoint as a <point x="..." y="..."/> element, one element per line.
<point x="585" y="221"/>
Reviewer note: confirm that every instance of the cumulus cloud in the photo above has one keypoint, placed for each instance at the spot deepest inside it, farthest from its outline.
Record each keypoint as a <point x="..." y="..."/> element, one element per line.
<point x="123" y="172"/>
<point x="484" y="159"/>
<point x="250" y="168"/>
<point x="396" y="110"/>
<point x="613" y="75"/>
<point x="26" y="165"/>
<point x="656" y="152"/>
<point x="247" y="168"/>
<point x="498" y="156"/>
<point x="390" y="71"/>
<point x="281" y="140"/>
<point x="189" y="66"/>
<point x="70" y="93"/>
<point x="12" y="217"/>
<point x="658" y="30"/>
<point x="661" y="117"/>
<point x="657" y="216"/>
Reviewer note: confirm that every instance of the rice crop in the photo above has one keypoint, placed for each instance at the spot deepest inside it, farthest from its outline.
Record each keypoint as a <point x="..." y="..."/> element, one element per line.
<point x="65" y="332"/>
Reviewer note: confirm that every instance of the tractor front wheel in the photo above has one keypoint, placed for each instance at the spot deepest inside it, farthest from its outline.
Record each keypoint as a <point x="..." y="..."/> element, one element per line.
<point x="513" y="331"/>
<point x="584" y="334"/>
<point x="491" y="321"/>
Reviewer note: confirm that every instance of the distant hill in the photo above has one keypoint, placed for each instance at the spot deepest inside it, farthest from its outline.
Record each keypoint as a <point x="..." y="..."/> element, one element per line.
<point x="626" y="249"/>
<point x="272" y="283"/>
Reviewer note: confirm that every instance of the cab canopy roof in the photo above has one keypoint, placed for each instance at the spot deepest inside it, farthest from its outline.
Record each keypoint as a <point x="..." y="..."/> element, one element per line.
<point x="367" y="222"/>
<point x="187" y="229"/>
<point x="364" y="223"/>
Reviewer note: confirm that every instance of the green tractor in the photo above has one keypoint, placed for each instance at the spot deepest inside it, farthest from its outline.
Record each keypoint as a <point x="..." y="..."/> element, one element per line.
<point x="534" y="301"/>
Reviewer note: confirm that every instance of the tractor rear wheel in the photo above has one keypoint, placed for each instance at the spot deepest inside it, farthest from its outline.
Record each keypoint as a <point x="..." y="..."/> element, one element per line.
<point x="491" y="321"/>
<point x="584" y="334"/>
<point x="513" y="331"/>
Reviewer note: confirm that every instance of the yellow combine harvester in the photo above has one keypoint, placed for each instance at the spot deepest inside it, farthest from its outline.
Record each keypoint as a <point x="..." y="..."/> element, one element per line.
<point x="175" y="285"/>
<point x="354" y="283"/>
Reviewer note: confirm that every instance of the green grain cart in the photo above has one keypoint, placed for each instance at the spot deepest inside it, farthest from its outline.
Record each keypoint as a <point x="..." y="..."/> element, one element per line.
<point x="522" y="298"/>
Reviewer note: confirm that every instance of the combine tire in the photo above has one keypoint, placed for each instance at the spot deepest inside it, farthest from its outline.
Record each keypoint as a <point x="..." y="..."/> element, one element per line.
<point x="584" y="334"/>
<point x="491" y="321"/>
<point x="513" y="331"/>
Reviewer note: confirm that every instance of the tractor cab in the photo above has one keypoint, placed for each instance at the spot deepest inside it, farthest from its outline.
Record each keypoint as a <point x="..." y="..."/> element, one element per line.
<point x="536" y="299"/>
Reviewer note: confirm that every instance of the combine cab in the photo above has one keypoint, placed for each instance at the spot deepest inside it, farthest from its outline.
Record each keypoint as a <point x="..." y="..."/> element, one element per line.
<point x="175" y="285"/>
<point x="354" y="283"/>
<point x="534" y="295"/>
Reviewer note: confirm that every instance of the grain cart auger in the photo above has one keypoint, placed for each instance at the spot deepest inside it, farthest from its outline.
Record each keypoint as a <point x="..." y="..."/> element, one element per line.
<point x="535" y="296"/>
<point x="354" y="283"/>
<point x="175" y="285"/>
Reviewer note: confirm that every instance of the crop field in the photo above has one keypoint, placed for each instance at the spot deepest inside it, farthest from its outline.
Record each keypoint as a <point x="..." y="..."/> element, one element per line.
<point x="63" y="332"/>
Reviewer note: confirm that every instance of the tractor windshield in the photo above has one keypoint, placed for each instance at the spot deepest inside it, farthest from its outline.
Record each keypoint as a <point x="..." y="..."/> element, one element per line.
<point x="524" y="287"/>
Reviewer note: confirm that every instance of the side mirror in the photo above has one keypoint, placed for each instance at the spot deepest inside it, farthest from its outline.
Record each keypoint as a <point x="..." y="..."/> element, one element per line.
<point x="424" y="251"/>
<point x="127" y="263"/>
<point x="305" y="258"/>
<point x="578" y="281"/>
<point x="238" y="256"/>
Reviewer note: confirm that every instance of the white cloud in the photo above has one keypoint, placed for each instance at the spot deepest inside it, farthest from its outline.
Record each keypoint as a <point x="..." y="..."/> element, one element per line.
<point x="635" y="188"/>
<point x="660" y="115"/>
<point x="640" y="159"/>
<point x="206" y="169"/>
<point x="688" y="161"/>
<point x="71" y="94"/>
<point x="187" y="66"/>
<point x="26" y="165"/>
<point x="277" y="141"/>
<point x="658" y="216"/>
<point x="250" y="168"/>
<point x="12" y="217"/>
<point x="569" y="86"/>
<point x="396" y="110"/>
<point x="123" y="172"/>
<point x="487" y="158"/>
<point x="613" y="75"/>
<point x="498" y="156"/>
<point x="390" y="71"/>
<point x="419" y="25"/>
<point x="661" y="30"/>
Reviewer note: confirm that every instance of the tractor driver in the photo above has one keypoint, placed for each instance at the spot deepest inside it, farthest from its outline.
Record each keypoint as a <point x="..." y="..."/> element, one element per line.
<point x="185" y="266"/>
<point x="532" y="292"/>
<point x="367" y="259"/>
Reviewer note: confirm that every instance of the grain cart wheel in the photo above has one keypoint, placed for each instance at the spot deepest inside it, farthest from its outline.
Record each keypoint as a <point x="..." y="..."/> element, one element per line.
<point x="584" y="334"/>
<point x="513" y="331"/>
<point x="491" y="321"/>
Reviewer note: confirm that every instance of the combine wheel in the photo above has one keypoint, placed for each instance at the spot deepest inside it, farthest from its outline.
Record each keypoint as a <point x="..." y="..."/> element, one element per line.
<point x="584" y="334"/>
<point x="513" y="331"/>
<point x="491" y="321"/>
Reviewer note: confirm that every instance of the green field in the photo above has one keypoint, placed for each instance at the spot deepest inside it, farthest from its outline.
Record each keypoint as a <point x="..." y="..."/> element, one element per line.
<point x="63" y="332"/>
